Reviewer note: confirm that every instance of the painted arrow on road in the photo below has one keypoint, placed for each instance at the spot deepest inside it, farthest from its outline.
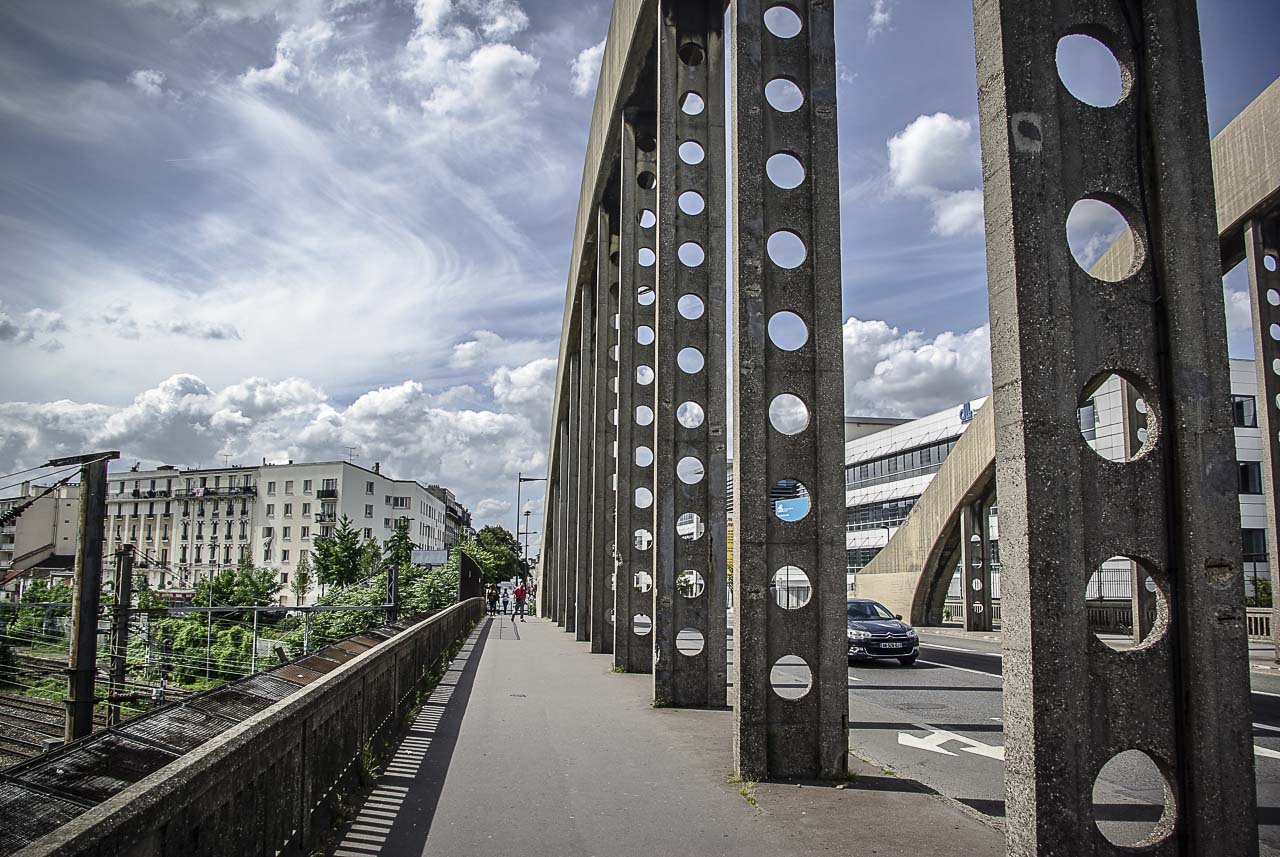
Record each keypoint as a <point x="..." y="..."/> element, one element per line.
<point x="934" y="742"/>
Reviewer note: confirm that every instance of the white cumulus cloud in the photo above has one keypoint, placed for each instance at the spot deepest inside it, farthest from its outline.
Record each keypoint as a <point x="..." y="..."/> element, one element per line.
<point x="584" y="70"/>
<point x="937" y="159"/>
<point x="889" y="372"/>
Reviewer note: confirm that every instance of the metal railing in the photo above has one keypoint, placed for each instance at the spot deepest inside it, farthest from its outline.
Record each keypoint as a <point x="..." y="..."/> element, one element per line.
<point x="273" y="783"/>
<point x="1118" y="617"/>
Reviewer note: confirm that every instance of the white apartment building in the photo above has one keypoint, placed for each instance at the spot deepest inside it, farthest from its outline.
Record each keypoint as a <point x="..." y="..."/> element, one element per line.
<point x="188" y="524"/>
<point x="887" y="470"/>
<point x="41" y="542"/>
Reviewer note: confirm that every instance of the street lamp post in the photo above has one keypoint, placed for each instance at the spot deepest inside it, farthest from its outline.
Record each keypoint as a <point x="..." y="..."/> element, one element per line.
<point x="520" y="480"/>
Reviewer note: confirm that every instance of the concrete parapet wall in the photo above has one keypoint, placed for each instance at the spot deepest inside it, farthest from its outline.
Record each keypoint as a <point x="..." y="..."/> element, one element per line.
<point x="271" y="783"/>
<point x="908" y="570"/>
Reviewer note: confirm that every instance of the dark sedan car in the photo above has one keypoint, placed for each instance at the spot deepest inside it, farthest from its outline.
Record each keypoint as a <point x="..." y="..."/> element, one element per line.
<point x="875" y="633"/>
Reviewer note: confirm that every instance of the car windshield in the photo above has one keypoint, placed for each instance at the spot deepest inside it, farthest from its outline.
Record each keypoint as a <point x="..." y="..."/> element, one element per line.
<point x="868" y="610"/>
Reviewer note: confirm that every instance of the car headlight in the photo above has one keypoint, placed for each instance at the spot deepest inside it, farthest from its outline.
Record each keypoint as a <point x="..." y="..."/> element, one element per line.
<point x="911" y="632"/>
<point x="859" y="635"/>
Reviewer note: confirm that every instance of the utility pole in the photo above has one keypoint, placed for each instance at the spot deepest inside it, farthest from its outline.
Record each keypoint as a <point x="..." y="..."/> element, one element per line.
<point x="393" y="593"/>
<point x="208" y="629"/>
<point x="253" y="651"/>
<point x="82" y="659"/>
<point x="306" y="631"/>
<point x="120" y="630"/>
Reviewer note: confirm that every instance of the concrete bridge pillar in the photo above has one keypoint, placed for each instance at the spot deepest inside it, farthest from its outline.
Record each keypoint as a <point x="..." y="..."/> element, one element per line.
<point x="637" y="294"/>
<point x="1072" y="704"/>
<point x="564" y="531"/>
<point x="790" y="668"/>
<point x="1262" y="255"/>
<point x="975" y="565"/>
<point x="604" y="435"/>
<point x="689" y="452"/>
<point x="584" y="458"/>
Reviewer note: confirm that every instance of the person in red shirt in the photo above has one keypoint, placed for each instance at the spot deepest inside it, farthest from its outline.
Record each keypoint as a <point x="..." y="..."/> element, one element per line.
<point x="521" y="593"/>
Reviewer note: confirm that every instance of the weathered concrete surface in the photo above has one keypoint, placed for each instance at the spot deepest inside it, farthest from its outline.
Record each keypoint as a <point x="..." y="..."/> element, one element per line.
<point x="604" y="437"/>
<point x="596" y="758"/>
<point x="584" y="459"/>
<point x="1262" y="240"/>
<point x="690" y="455"/>
<point x="776" y="736"/>
<point x="911" y="575"/>
<point x="1071" y="704"/>
<point x="565" y="528"/>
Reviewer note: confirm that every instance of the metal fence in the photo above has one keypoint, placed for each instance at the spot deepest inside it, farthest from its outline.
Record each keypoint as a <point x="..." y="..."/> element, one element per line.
<point x="270" y="784"/>
<point x="1116" y="617"/>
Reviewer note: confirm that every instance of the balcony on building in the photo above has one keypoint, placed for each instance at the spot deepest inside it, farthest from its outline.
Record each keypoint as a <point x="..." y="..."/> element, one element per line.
<point x="224" y="491"/>
<point x="327" y="494"/>
<point x="326" y="518"/>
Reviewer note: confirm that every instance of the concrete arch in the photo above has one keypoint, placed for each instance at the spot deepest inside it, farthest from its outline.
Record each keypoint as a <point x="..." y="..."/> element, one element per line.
<point x="913" y="572"/>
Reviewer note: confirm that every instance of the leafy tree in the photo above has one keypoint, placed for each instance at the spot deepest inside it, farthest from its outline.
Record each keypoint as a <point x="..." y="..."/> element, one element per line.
<point x="338" y="555"/>
<point x="504" y="554"/>
<point x="241" y="587"/>
<point x="370" y="559"/>
<point x="400" y="546"/>
<point x="301" y="582"/>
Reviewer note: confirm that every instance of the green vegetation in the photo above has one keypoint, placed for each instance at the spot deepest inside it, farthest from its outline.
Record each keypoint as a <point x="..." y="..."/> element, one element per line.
<point x="340" y="556"/>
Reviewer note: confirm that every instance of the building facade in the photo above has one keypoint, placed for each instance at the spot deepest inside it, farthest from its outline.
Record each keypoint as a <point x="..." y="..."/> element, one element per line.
<point x="190" y="524"/>
<point x="457" y="518"/>
<point x="40" y="543"/>
<point x="887" y="470"/>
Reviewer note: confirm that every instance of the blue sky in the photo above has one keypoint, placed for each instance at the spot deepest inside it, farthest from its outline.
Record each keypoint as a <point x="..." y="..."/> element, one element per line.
<point x="281" y="227"/>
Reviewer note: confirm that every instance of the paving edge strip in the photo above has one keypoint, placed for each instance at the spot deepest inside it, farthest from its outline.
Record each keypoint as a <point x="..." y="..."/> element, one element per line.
<point x="990" y="821"/>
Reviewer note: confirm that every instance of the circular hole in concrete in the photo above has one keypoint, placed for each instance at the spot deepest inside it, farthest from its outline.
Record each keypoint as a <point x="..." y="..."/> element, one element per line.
<point x="783" y="95"/>
<point x="691" y="54"/>
<point x="1132" y="802"/>
<point x="691" y="203"/>
<point x="692" y="104"/>
<point x="642" y="581"/>
<point x="689" y="527"/>
<point x="1109" y="604"/>
<point x="613" y="416"/>
<point x="786" y="249"/>
<point x="646" y="257"/>
<point x="645" y="295"/>
<point x="1090" y="71"/>
<point x="691" y="307"/>
<point x="641" y="625"/>
<point x="690" y="360"/>
<point x="644" y="375"/>
<point x="784" y="170"/>
<point x="690" y="584"/>
<point x="791" y="587"/>
<point x="642" y="539"/>
<point x="1271" y="262"/>
<point x="644" y="498"/>
<point x="613" y="353"/>
<point x="690" y="642"/>
<point x="1274" y="332"/>
<point x="691" y="254"/>
<point x="788" y="330"/>
<point x="790" y="677"/>
<point x="644" y="334"/>
<point x="790" y="499"/>
<point x="690" y="414"/>
<point x="644" y="415"/>
<point x="644" y="456"/>
<point x="1110" y="426"/>
<point x="691" y="152"/>
<point x="1101" y="240"/>
<point x="609" y="613"/>
<point x="1273" y="297"/>
<point x="788" y="414"/>
<point x="689" y="470"/>
<point x="646" y="180"/>
<point x="646" y="142"/>
<point x="646" y="219"/>
<point x="782" y="21"/>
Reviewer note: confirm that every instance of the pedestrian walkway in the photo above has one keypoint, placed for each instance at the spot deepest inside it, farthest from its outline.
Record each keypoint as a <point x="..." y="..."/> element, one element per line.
<point x="532" y="746"/>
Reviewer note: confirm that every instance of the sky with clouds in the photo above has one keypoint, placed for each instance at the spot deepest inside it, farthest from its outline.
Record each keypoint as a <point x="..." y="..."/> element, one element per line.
<point x="278" y="228"/>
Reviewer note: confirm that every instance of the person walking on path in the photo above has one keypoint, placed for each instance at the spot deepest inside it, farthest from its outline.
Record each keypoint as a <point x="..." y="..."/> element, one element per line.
<point x="521" y="594"/>
<point x="506" y="602"/>
<point x="493" y="600"/>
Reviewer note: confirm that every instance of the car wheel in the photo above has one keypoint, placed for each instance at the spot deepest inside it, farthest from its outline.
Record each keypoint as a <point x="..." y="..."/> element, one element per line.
<point x="908" y="660"/>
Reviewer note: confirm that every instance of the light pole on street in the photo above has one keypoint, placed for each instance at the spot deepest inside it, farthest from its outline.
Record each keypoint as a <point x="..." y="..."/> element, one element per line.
<point x="520" y="480"/>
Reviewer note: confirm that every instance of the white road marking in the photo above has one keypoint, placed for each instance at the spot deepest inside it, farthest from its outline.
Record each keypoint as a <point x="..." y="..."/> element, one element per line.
<point x="966" y="651"/>
<point x="961" y="669"/>
<point x="1265" y="753"/>
<point x="1265" y="726"/>
<point x="933" y="743"/>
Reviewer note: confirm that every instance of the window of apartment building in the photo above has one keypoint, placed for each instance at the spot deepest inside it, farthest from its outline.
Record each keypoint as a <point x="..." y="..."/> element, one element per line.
<point x="167" y="508"/>
<point x="288" y="486"/>
<point x="204" y="481"/>
<point x="388" y="500"/>
<point x="228" y="529"/>
<point x="284" y="577"/>
<point x="305" y="533"/>
<point x="266" y="553"/>
<point x="151" y="508"/>
<point x="1254" y="543"/>
<point x="164" y="556"/>
<point x="135" y="508"/>
<point x="284" y="555"/>
<point x="147" y="533"/>
<point x="306" y="509"/>
<point x="400" y="502"/>
<point x="325" y="532"/>
<point x="231" y="507"/>
<point x="306" y="486"/>
<point x="133" y="533"/>
<point x="368" y="510"/>
<point x="386" y="522"/>
<point x="164" y="532"/>
<point x="267" y="532"/>
<point x="244" y="507"/>
<point x="183" y="554"/>
<point x="198" y="548"/>
<point x="226" y="554"/>
<point x="200" y="510"/>
<point x="271" y="510"/>
<point x="244" y="529"/>
<point x="368" y="533"/>
<point x="199" y="529"/>
<point x="186" y="507"/>
<point x="271" y="487"/>
<point x="288" y="510"/>
<point x="1250" y="477"/>
<point x="217" y="481"/>
<point x="1245" y="411"/>
<point x="329" y="485"/>
<point x="368" y="487"/>
<point x="284" y="533"/>
<point x="185" y="532"/>
<point x="119" y="487"/>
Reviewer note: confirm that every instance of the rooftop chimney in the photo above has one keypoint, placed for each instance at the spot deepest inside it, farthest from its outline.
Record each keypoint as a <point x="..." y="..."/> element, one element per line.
<point x="377" y="467"/>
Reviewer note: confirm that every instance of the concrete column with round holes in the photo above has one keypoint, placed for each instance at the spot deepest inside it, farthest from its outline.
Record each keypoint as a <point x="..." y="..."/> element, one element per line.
<point x="689" y="452"/>
<point x="564" y="532"/>
<point x="975" y="565"/>
<point x="604" y="435"/>
<point x="1072" y="705"/>
<point x="584" y="456"/>
<point x="633" y="536"/>
<point x="790" y="667"/>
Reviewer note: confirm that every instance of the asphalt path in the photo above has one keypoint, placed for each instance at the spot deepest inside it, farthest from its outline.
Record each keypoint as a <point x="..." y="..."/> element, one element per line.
<point x="940" y="723"/>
